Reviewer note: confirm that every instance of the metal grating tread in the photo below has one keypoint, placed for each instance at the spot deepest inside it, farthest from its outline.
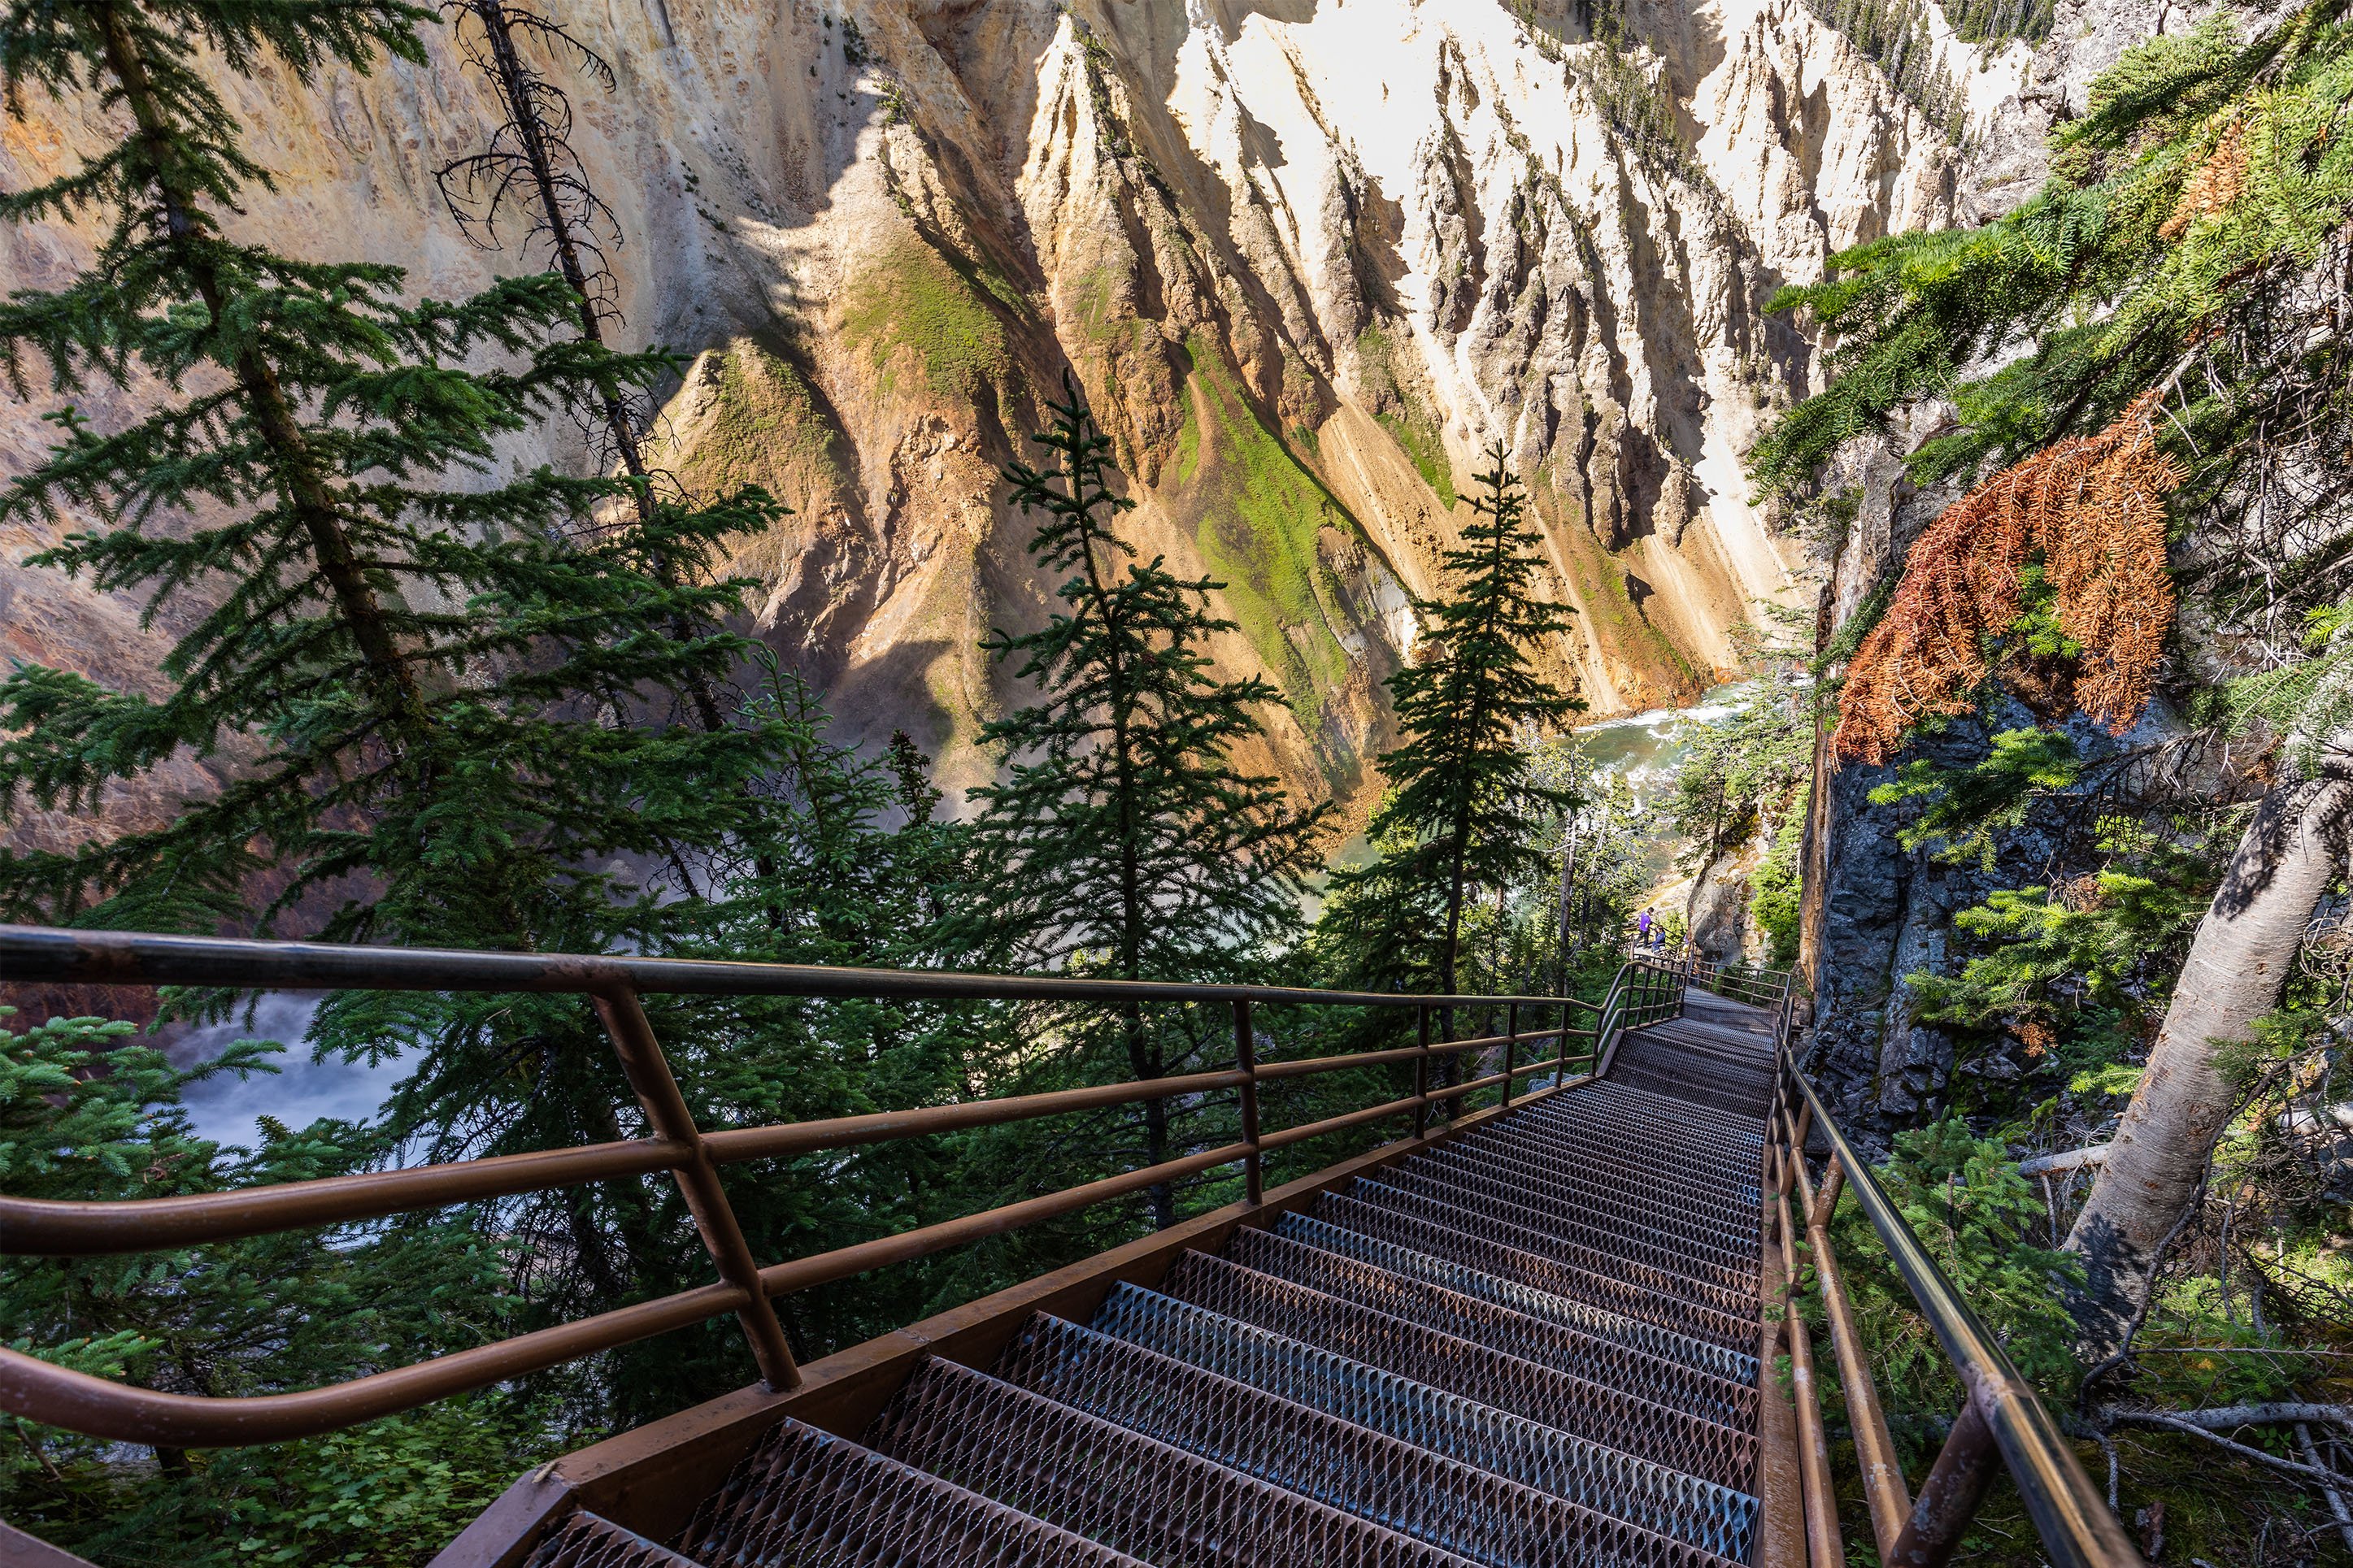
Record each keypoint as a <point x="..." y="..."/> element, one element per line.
<point x="806" y="1499"/>
<point x="1707" y="1449"/>
<point x="1670" y="1302"/>
<point x="1418" y="1299"/>
<point x="1673" y="1064"/>
<point x="1731" y="1225"/>
<point x="1409" y="1489"/>
<point x="1413" y="1221"/>
<point x="1686" y="1142"/>
<point x="1713" y="1262"/>
<point x="1495" y="1273"/>
<point x="585" y="1540"/>
<point x="1532" y="1344"/>
<point x="1591" y="1474"/>
<point x="1133" y="1493"/>
<point x="1638" y="1143"/>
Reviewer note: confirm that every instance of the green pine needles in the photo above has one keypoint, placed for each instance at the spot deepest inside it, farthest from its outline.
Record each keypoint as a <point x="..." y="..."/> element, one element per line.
<point x="1131" y="842"/>
<point x="411" y="682"/>
<point x="1462" y="795"/>
<point x="1122" y="839"/>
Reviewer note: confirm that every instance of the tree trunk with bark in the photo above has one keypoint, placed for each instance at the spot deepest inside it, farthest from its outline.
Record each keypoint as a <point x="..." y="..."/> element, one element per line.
<point x="2238" y="968"/>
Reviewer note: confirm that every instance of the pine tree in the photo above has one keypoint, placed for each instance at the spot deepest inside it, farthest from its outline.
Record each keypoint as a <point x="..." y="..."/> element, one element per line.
<point x="423" y="694"/>
<point x="1462" y="798"/>
<point x="1123" y="840"/>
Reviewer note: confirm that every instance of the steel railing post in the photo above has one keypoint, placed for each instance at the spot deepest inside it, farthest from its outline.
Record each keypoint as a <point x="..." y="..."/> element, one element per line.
<point x="1246" y="1061"/>
<point x="648" y="1070"/>
<point x="1421" y="1075"/>
<point x="1949" y="1497"/>
<point x="1511" y="1049"/>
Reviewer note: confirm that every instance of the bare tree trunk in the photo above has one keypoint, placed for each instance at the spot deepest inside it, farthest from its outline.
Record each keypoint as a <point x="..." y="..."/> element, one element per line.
<point x="2238" y="968"/>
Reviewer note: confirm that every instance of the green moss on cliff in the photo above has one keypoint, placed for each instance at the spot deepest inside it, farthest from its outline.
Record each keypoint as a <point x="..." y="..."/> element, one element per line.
<point x="1260" y="510"/>
<point x="1403" y="411"/>
<point x="943" y="311"/>
<point x="762" y="425"/>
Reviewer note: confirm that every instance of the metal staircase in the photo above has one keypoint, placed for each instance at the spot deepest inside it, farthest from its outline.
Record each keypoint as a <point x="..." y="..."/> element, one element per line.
<point x="1546" y="1325"/>
<point x="1535" y="1344"/>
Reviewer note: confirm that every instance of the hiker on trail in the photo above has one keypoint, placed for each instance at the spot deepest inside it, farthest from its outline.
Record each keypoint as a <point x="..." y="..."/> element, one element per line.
<point x="1642" y="930"/>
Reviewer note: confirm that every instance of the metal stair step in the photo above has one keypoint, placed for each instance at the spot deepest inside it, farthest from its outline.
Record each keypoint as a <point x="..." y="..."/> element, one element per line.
<point x="1493" y="1273"/>
<point x="1289" y="1254"/>
<point x="1402" y="1486"/>
<point x="1730" y="1226"/>
<point x="1708" y="1449"/>
<point x="1537" y="1260"/>
<point x="1604" y="1174"/>
<point x="1128" y="1492"/>
<point x="586" y="1541"/>
<point x="1690" y="1256"/>
<point x="1657" y="1293"/>
<point x="1638" y="1153"/>
<point x="1680" y="1128"/>
<point x="810" y="1499"/>
<point x="1594" y="1475"/>
<point x="1603" y="1110"/>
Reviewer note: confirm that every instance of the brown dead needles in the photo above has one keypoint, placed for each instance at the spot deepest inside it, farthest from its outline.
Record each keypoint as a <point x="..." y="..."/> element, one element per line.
<point x="2094" y="510"/>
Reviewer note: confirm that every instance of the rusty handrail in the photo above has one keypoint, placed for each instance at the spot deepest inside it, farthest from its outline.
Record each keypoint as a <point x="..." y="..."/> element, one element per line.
<point x="2001" y="1415"/>
<point x="43" y="1392"/>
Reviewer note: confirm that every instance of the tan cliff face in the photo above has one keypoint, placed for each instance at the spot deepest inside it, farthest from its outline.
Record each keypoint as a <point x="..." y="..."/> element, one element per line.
<point x="1307" y="259"/>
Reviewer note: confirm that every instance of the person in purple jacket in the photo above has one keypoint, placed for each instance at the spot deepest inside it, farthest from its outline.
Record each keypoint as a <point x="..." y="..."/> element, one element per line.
<point x="1642" y="930"/>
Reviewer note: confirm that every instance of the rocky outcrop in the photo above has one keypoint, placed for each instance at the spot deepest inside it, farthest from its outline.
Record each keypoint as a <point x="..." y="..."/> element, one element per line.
<point x="1307" y="259"/>
<point x="1877" y="913"/>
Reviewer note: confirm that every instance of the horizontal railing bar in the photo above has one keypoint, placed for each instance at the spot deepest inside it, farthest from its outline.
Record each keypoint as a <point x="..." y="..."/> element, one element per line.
<point x="2076" y="1529"/>
<point x="843" y="1262"/>
<point x="42" y="1227"/>
<point x="53" y="1395"/>
<point x="737" y="1144"/>
<point x="1270" y="1142"/>
<point x="1308" y="1067"/>
<point x="40" y="954"/>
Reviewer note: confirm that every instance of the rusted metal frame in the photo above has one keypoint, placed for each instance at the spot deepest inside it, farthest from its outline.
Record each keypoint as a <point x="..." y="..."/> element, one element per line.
<point x="2070" y="1516"/>
<point x="691" y="1155"/>
<point x="1246" y="1063"/>
<point x="1418" y="1104"/>
<point x="42" y="954"/>
<point x="1421" y="1074"/>
<point x="1875" y="1451"/>
<point x="650" y="1478"/>
<point x="39" y="1227"/>
<point x="735" y="1145"/>
<point x="50" y="1229"/>
<point x="1511" y="1049"/>
<point x="53" y="1395"/>
<point x="1822" y="1547"/>
<point x="1951" y="1496"/>
<point x="843" y="1262"/>
<point x="640" y="1054"/>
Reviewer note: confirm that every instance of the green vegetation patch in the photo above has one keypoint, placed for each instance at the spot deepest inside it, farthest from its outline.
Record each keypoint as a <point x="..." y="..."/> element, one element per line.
<point x="1618" y="624"/>
<point x="766" y="426"/>
<point x="943" y="311"/>
<point x="1402" y="410"/>
<point x="1260" y="511"/>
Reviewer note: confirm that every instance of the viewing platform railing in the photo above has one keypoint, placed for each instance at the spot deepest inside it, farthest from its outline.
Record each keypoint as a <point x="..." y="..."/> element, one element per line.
<point x="1644" y="992"/>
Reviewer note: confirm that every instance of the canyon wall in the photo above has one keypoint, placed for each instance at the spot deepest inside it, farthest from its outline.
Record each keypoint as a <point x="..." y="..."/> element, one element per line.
<point x="1307" y="258"/>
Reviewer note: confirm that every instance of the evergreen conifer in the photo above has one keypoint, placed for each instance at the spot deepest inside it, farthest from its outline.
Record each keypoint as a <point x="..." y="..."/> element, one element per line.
<point x="1463" y="799"/>
<point x="1123" y="840"/>
<point x="420" y="693"/>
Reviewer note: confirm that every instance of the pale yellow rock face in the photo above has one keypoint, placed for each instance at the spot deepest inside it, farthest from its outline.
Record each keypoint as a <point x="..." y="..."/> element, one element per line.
<point x="1307" y="258"/>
